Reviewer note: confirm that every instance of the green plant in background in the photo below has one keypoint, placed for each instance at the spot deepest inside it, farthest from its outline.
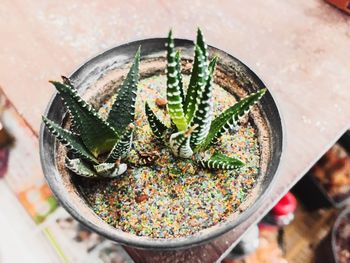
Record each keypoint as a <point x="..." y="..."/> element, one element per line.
<point x="193" y="128"/>
<point x="97" y="146"/>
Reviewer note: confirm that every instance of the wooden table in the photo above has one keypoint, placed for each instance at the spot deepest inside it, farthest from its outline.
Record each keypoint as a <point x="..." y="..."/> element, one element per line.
<point x="299" y="48"/>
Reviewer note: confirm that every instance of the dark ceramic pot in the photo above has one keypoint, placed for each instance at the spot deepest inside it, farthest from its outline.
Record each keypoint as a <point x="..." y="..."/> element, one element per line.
<point x="313" y="194"/>
<point x="238" y="79"/>
<point x="326" y="252"/>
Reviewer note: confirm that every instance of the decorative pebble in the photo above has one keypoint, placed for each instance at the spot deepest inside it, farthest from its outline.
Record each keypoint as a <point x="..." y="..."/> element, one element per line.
<point x="161" y="103"/>
<point x="141" y="198"/>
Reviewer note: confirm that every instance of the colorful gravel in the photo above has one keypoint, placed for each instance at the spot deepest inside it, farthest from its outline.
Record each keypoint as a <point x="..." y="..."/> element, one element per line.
<point x="161" y="196"/>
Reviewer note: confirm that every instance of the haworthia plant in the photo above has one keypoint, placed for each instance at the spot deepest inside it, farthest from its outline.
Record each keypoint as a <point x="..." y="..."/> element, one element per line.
<point x="192" y="113"/>
<point x="98" y="146"/>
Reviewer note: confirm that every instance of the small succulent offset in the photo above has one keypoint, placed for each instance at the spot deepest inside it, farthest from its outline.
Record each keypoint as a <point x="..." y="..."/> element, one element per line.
<point x="193" y="128"/>
<point x="96" y="146"/>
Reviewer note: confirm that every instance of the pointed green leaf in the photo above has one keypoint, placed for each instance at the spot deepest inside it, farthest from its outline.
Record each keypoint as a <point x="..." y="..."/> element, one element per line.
<point x="110" y="170"/>
<point x="157" y="127"/>
<point x="198" y="75"/>
<point x="104" y="168"/>
<point x="178" y="69"/>
<point x="123" y="109"/>
<point x="180" y="143"/>
<point x="204" y="110"/>
<point x="221" y="161"/>
<point x="212" y="65"/>
<point x="122" y="148"/>
<point x="197" y="82"/>
<point x="70" y="140"/>
<point x="97" y="135"/>
<point x="230" y="117"/>
<point x="119" y="170"/>
<point x="201" y="43"/>
<point x="175" y="103"/>
<point x="78" y="167"/>
<point x="74" y="125"/>
<point x="67" y="81"/>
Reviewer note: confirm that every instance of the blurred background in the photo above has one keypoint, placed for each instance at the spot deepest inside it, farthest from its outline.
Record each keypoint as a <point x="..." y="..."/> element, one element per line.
<point x="300" y="49"/>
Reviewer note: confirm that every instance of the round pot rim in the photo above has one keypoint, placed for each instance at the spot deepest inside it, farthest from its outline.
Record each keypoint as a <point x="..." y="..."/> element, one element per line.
<point x="147" y="242"/>
<point x="335" y="227"/>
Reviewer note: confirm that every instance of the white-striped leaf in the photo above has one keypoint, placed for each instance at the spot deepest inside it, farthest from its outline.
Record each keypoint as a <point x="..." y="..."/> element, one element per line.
<point x="123" y="109"/>
<point x="230" y="117"/>
<point x="221" y="161"/>
<point x="174" y="97"/>
<point x="204" y="110"/>
<point x="70" y="140"/>
<point x="78" y="167"/>
<point x="157" y="127"/>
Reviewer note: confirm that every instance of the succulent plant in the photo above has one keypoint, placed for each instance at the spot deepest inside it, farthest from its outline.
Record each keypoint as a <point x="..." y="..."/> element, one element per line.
<point x="193" y="128"/>
<point x="96" y="146"/>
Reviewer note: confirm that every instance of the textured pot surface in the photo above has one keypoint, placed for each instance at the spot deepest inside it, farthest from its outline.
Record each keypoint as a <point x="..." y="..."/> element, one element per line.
<point x="334" y="231"/>
<point x="266" y="118"/>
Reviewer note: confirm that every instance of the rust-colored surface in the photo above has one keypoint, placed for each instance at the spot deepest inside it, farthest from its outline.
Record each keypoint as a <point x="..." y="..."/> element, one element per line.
<point x="299" y="48"/>
<point x="341" y="4"/>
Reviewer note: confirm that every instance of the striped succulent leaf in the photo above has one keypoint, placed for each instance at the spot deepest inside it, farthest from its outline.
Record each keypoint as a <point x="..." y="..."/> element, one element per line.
<point x="197" y="82"/>
<point x="201" y="43"/>
<point x="178" y="69"/>
<point x="110" y="170"/>
<point x="104" y="168"/>
<point x="97" y="135"/>
<point x="122" y="148"/>
<point x="157" y="127"/>
<point x="221" y="161"/>
<point x="67" y="81"/>
<point x="70" y="140"/>
<point x="70" y="96"/>
<point x="175" y="103"/>
<point x="203" y="114"/>
<point x="74" y="126"/>
<point x="78" y="167"/>
<point x="230" y="117"/>
<point x="198" y="75"/>
<point x="180" y="143"/>
<point x="119" y="170"/>
<point x="123" y="109"/>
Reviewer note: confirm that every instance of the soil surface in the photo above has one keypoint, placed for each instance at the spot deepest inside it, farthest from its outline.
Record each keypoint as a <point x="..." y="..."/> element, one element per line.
<point x="161" y="196"/>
